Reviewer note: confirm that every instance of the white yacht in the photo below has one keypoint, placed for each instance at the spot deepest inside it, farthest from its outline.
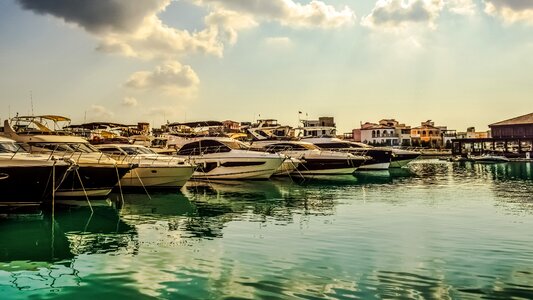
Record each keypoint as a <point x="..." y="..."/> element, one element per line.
<point x="27" y="178"/>
<point x="379" y="158"/>
<point x="96" y="174"/>
<point x="153" y="170"/>
<point x="225" y="158"/>
<point x="313" y="160"/>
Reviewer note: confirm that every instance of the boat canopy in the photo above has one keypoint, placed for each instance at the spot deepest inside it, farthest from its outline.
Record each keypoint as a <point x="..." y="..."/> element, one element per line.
<point x="54" y="118"/>
<point x="197" y="124"/>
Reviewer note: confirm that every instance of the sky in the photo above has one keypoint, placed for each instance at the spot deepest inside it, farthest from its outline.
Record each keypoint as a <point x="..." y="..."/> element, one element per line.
<point x="459" y="63"/>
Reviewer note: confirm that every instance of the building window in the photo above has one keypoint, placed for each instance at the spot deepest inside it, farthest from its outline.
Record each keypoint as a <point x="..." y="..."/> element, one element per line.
<point x="373" y="133"/>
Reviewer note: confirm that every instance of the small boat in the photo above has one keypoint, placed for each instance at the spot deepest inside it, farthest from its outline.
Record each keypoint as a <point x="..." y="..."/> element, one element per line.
<point x="490" y="158"/>
<point x="154" y="171"/>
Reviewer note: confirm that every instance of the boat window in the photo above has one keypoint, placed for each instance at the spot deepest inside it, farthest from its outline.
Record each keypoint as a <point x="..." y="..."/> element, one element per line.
<point x="190" y="149"/>
<point x="137" y="150"/>
<point x="334" y="145"/>
<point x="236" y="145"/>
<point x="212" y="146"/>
<point x="111" y="151"/>
<point x="9" y="147"/>
<point x="64" y="147"/>
<point x="294" y="146"/>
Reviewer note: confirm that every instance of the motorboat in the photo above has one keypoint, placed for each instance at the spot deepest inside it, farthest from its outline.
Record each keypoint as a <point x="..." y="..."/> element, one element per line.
<point x="96" y="174"/>
<point x="225" y="158"/>
<point x="154" y="171"/>
<point x="490" y="158"/>
<point x="28" y="178"/>
<point x="313" y="160"/>
<point x="378" y="158"/>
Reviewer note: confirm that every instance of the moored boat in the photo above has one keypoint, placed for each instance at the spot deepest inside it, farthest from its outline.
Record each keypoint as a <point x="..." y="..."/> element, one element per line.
<point x="153" y="171"/>
<point x="313" y="160"/>
<point x="225" y="158"/>
<point x="490" y="158"/>
<point x="25" y="178"/>
<point x="95" y="174"/>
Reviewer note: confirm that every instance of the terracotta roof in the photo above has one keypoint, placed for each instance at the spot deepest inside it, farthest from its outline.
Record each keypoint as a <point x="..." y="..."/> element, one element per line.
<point x="525" y="119"/>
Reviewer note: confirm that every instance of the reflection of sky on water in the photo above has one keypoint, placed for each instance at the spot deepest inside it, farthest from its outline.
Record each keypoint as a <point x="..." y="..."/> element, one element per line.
<point x="435" y="231"/>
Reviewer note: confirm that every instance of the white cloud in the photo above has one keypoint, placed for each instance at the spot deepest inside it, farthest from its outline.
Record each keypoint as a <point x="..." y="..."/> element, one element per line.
<point x="130" y="101"/>
<point x="100" y="112"/>
<point x="227" y="23"/>
<point x="462" y="7"/>
<point x="511" y="11"/>
<point x="399" y="14"/>
<point x="171" y="78"/>
<point x="289" y="13"/>
<point x="278" y="42"/>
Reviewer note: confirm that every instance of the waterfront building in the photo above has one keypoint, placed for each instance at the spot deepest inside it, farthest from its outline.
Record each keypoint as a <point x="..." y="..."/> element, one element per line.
<point x="512" y="138"/>
<point x="324" y="126"/>
<point x="386" y="132"/>
<point x="428" y="135"/>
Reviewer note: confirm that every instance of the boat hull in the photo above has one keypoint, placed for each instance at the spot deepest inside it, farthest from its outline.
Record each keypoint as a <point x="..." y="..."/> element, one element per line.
<point x="28" y="184"/>
<point x="236" y="168"/>
<point x="401" y="159"/>
<point x="157" y="177"/>
<point x="97" y="181"/>
<point x="330" y="166"/>
<point x="380" y="159"/>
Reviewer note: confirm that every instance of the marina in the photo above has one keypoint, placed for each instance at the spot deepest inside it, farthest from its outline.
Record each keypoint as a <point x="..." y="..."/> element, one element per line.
<point x="266" y="149"/>
<point x="401" y="233"/>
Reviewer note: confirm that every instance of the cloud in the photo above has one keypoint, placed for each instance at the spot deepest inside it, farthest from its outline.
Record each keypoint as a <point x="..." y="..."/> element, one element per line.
<point x="511" y="11"/>
<point x="227" y="23"/>
<point x="130" y="102"/>
<point x="171" y="77"/>
<point x="288" y="12"/>
<point x="98" y="16"/>
<point x="100" y="112"/>
<point x="461" y="7"/>
<point x="398" y="14"/>
<point x="278" y="42"/>
<point x="129" y="27"/>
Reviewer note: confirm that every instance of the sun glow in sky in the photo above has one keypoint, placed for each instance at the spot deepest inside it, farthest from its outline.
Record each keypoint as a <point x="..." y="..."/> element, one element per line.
<point x="458" y="62"/>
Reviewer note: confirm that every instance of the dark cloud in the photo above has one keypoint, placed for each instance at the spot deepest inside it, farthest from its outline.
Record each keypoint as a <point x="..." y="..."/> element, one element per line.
<point x="98" y="15"/>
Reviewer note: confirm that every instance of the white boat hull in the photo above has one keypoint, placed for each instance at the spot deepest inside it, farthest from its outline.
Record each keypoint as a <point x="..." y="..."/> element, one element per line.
<point x="157" y="177"/>
<point x="340" y="171"/>
<point x="378" y="166"/>
<point x="400" y="163"/>
<point x="91" y="193"/>
<point x="260" y="171"/>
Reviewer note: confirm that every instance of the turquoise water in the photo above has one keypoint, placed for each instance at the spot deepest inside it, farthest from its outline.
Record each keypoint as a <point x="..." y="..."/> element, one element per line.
<point x="435" y="231"/>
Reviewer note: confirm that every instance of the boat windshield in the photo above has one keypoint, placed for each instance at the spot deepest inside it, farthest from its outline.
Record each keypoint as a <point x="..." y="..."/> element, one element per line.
<point x="137" y="150"/>
<point x="66" y="147"/>
<point x="236" y="145"/>
<point x="334" y="145"/>
<point x="10" y="147"/>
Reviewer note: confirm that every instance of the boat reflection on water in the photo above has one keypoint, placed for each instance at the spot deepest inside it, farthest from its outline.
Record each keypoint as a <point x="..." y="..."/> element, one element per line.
<point x="40" y="251"/>
<point x="154" y="205"/>
<point x="30" y="242"/>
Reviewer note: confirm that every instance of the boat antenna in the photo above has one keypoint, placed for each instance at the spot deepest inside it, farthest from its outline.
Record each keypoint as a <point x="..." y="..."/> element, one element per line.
<point x="31" y="102"/>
